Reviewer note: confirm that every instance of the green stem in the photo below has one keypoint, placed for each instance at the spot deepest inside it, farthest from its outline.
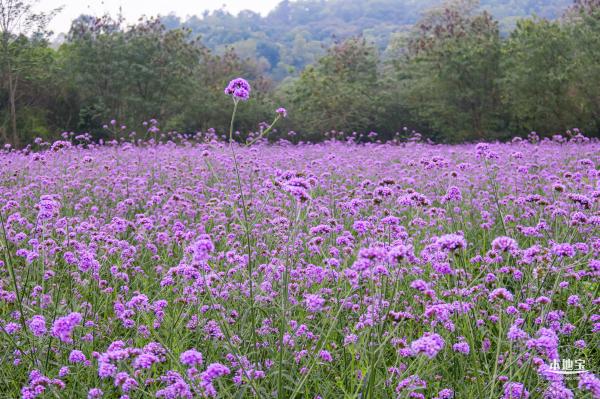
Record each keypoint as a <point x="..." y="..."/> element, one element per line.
<point x="235" y="105"/>
<point x="498" y="346"/>
<point x="284" y="303"/>
<point x="265" y="132"/>
<point x="246" y="225"/>
<point x="11" y="270"/>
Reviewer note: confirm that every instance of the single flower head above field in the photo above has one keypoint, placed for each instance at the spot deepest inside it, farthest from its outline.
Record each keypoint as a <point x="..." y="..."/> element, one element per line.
<point x="239" y="89"/>
<point x="282" y="112"/>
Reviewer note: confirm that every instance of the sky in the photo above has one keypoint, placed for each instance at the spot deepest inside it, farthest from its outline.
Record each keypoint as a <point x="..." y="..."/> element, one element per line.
<point x="133" y="9"/>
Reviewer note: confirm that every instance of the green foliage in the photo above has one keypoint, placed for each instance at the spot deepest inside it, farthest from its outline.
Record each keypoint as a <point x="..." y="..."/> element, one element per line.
<point x="29" y="72"/>
<point x="451" y="73"/>
<point x="356" y="68"/>
<point x="538" y="77"/>
<point x="584" y="35"/>
<point x="338" y="92"/>
<point x="318" y="25"/>
<point x="23" y="57"/>
<point x="147" y="72"/>
<point x="142" y="73"/>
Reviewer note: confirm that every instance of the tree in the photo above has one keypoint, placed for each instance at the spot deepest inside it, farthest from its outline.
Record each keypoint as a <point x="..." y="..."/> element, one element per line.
<point x="451" y="74"/>
<point x="339" y="92"/>
<point x="583" y="26"/>
<point x="34" y="95"/>
<point x="537" y="86"/>
<point x="583" y="8"/>
<point x="144" y="72"/>
<point x="17" y="20"/>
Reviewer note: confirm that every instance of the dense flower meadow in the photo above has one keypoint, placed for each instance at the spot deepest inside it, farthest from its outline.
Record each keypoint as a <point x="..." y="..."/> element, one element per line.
<point x="343" y="271"/>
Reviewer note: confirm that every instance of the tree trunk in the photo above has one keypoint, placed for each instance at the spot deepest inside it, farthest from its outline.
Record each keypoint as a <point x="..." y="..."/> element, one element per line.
<point x="3" y="135"/>
<point x="12" y="94"/>
<point x="6" y="66"/>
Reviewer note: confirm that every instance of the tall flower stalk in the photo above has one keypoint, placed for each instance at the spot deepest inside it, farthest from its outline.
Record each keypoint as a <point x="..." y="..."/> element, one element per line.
<point x="19" y="295"/>
<point x="239" y="89"/>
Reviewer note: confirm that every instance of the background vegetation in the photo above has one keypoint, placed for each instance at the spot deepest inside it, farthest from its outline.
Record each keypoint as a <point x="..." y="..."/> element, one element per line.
<point x="455" y="71"/>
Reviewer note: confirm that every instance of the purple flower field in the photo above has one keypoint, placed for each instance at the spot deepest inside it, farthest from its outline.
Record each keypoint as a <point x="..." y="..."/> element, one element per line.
<point x="342" y="271"/>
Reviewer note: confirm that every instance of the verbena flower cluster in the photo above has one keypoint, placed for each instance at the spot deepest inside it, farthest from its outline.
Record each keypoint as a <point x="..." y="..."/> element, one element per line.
<point x="239" y="89"/>
<point x="369" y="270"/>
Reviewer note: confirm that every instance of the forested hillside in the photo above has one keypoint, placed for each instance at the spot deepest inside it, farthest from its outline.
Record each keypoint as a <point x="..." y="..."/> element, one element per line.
<point x="296" y="33"/>
<point x="451" y="71"/>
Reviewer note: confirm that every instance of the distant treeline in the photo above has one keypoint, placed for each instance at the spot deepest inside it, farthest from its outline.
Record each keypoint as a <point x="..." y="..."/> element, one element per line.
<point x="297" y="33"/>
<point x="453" y="77"/>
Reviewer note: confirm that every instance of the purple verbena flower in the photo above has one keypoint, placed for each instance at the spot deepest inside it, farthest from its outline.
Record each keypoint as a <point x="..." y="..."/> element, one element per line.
<point x="515" y="390"/>
<point x="191" y="358"/>
<point x="37" y="325"/>
<point x="63" y="326"/>
<point x="429" y="344"/>
<point x="239" y="89"/>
